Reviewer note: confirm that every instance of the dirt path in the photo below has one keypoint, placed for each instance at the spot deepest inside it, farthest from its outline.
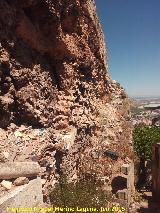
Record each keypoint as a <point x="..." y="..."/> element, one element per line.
<point x="146" y="205"/>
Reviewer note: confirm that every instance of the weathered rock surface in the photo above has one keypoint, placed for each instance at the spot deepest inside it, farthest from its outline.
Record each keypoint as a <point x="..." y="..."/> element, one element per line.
<point x="58" y="105"/>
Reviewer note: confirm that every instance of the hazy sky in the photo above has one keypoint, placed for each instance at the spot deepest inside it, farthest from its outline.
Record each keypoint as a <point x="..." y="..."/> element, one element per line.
<point x="132" y="34"/>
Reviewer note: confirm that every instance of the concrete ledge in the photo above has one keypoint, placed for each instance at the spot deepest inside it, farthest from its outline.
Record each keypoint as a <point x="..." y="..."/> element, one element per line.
<point x="27" y="196"/>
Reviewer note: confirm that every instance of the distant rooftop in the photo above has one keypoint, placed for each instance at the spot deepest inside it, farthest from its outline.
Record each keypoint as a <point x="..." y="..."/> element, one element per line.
<point x="145" y="97"/>
<point x="152" y="106"/>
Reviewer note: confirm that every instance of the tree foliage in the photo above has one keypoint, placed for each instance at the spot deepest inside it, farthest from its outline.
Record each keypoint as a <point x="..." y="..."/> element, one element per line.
<point x="144" y="137"/>
<point x="137" y="111"/>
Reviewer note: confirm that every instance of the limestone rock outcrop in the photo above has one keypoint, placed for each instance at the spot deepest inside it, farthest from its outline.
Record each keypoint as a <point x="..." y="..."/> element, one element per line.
<point x="58" y="104"/>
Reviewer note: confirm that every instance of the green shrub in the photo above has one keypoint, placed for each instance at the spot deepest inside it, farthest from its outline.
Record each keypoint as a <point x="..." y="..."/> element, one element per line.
<point x="144" y="137"/>
<point x="81" y="194"/>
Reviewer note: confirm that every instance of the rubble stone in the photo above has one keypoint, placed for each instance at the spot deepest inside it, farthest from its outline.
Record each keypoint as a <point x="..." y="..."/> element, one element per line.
<point x="6" y="184"/>
<point x="6" y="154"/>
<point x="21" y="181"/>
<point x="122" y="194"/>
<point x="125" y="169"/>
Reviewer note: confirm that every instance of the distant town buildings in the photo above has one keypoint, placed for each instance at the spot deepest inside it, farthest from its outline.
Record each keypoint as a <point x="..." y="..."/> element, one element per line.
<point x="146" y="112"/>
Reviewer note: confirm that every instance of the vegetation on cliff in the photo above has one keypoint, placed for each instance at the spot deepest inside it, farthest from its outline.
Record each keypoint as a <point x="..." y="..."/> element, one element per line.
<point x="144" y="137"/>
<point x="84" y="193"/>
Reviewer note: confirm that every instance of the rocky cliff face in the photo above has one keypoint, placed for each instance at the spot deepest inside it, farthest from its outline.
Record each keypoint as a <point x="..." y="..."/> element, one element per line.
<point x="58" y="104"/>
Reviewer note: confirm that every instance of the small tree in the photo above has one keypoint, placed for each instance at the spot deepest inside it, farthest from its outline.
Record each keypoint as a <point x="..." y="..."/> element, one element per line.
<point x="144" y="137"/>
